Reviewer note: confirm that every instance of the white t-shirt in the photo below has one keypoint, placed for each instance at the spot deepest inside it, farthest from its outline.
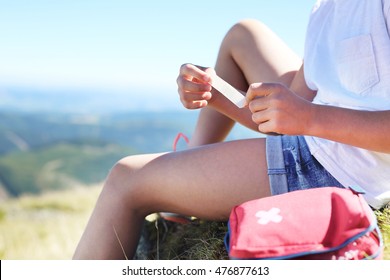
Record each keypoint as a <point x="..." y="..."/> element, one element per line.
<point x="347" y="60"/>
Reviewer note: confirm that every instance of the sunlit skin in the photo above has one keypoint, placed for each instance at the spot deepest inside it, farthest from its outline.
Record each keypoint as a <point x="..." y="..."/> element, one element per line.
<point x="207" y="180"/>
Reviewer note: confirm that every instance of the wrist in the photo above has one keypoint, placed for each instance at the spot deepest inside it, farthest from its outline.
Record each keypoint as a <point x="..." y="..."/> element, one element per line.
<point x="313" y="123"/>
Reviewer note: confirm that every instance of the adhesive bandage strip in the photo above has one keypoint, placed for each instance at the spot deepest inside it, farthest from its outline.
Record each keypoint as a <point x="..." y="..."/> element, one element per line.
<point x="228" y="91"/>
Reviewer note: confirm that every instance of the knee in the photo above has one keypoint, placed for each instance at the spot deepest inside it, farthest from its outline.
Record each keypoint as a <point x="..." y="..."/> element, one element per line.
<point x="243" y="36"/>
<point x="120" y="182"/>
<point x="249" y="24"/>
<point x="246" y="29"/>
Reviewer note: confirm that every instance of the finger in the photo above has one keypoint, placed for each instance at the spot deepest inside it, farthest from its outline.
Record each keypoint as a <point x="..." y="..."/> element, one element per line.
<point x="260" y="117"/>
<point x="253" y="92"/>
<point x="257" y="90"/>
<point x="211" y="72"/>
<point x="192" y="85"/>
<point x="268" y="123"/>
<point x="191" y="100"/>
<point x="195" y="96"/>
<point x="268" y="128"/>
<point x="189" y="70"/>
<point x="258" y="105"/>
<point x="194" y="104"/>
<point x="199" y="104"/>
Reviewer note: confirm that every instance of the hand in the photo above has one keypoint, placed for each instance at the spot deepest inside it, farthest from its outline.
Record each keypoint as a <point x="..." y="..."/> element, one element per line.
<point x="193" y="86"/>
<point x="276" y="109"/>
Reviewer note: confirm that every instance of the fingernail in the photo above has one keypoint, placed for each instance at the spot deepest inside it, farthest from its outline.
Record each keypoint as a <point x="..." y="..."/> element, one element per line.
<point x="255" y="85"/>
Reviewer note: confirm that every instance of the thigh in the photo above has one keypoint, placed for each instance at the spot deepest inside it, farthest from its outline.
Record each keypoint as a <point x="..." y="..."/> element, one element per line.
<point x="205" y="182"/>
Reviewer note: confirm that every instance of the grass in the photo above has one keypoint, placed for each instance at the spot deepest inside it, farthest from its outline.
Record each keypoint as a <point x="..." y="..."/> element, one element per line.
<point x="200" y="240"/>
<point x="383" y="217"/>
<point x="49" y="226"/>
<point x="45" y="227"/>
<point x="204" y="240"/>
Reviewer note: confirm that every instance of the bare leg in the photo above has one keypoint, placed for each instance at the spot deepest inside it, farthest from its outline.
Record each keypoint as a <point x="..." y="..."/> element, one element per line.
<point x="249" y="53"/>
<point x="205" y="182"/>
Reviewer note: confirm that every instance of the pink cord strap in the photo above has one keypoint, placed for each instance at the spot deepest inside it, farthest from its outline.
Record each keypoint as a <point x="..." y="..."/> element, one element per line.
<point x="178" y="136"/>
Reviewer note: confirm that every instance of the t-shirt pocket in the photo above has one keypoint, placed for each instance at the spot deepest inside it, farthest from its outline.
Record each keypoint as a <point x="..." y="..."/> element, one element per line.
<point x="356" y="65"/>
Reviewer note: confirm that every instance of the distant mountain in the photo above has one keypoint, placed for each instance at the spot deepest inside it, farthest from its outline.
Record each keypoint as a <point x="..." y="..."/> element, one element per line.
<point x="142" y="131"/>
<point x="58" y="166"/>
<point x="51" y="150"/>
<point x="79" y="100"/>
<point x="44" y="151"/>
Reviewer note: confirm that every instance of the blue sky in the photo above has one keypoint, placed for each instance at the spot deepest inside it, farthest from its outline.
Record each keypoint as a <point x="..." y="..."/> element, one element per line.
<point x="121" y="45"/>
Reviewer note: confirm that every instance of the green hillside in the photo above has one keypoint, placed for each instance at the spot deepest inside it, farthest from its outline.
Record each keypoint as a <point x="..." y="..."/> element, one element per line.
<point x="50" y="151"/>
<point x="58" y="166"/>
<point x="145" y="132"/>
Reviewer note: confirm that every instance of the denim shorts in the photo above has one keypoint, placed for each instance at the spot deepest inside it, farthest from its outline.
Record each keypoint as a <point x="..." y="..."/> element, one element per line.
<point x="292" y="167"/>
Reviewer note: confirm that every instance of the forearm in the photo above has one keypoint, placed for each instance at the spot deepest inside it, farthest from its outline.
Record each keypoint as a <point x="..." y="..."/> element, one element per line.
<point x="365" y="129"/>
<point x="224" y="106"/>
<point x="211" y="127"/>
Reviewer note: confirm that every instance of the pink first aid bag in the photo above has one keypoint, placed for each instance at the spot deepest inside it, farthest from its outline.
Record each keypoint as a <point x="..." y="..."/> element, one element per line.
<point x="321" y="223"/>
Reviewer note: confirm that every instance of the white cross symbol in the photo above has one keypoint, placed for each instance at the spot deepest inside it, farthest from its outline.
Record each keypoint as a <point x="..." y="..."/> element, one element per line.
<point x="269" y="216"/>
